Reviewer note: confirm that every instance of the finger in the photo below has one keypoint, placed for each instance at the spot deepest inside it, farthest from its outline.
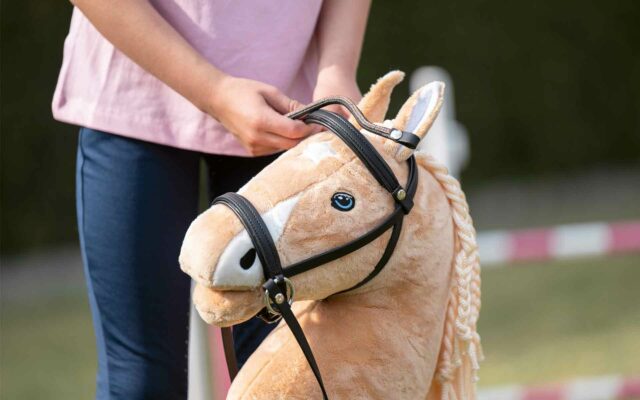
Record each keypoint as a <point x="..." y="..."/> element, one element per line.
<point x="315" y="128"/>
<point x="263" y="151"/>
<point x="278" y="124"/>
<point x="273" y="140"/>
<point x="283" y="126"/>
<point x="261" y="142"/>
<point x="255" y="147"/>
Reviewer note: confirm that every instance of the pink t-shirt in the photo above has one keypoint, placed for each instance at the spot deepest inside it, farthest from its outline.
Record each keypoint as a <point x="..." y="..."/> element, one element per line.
<point x="269" y="41"/>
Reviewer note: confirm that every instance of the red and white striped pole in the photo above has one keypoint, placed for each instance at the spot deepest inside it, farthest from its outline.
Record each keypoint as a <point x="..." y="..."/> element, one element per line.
<point x="560" y="242"/>
<point x="598" y="388"/>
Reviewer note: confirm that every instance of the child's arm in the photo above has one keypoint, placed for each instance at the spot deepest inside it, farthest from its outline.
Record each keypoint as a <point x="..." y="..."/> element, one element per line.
<point x="340" y="34"/>
<point x="249" y="109"/>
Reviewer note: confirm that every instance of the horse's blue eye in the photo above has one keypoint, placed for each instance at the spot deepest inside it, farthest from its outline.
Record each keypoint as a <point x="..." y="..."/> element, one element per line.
<point x="342" y="201"/>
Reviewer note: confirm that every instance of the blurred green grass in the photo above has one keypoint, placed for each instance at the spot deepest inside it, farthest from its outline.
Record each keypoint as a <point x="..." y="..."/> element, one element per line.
<point x="48" y="348"/>
<point x="556" y="321"/>
<point x="539" y="323"/>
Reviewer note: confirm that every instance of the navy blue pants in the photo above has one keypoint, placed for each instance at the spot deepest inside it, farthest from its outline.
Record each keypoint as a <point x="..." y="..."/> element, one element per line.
<point x="135" y="201"/>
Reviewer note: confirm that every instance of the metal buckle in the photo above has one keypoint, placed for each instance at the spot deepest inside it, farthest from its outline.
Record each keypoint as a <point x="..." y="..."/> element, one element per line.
<point x="279" y="298"/>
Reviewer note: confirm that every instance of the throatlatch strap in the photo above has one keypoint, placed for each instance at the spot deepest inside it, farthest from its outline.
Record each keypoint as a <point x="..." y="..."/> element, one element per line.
<point x="361" y="241"/>
<point x="388" y="252"/>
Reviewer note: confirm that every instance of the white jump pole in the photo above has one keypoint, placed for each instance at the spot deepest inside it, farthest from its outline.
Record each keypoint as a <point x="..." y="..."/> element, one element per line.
<point x="199" y="375"/>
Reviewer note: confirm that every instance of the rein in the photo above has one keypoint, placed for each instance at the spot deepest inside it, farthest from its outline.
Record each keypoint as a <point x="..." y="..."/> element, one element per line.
<point x="278" y="289"/>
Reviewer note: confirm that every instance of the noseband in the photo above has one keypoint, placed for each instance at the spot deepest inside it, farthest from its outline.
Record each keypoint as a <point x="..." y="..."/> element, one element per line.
<point x="278" y="289"/>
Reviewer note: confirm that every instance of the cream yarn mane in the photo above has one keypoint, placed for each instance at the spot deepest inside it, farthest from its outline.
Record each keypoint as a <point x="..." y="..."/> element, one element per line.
<point x="458" y="365"/>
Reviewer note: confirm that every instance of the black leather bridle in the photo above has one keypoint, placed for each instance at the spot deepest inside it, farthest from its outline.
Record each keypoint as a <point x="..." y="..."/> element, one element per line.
<point x="278" y="288"/>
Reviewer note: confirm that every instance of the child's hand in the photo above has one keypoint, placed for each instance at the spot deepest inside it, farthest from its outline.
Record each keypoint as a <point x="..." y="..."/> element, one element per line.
<point x="335" y="83"/>
<point x="252" y="111"/>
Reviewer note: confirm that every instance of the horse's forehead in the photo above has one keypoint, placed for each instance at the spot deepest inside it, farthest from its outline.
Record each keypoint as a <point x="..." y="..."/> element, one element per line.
<point x="310" y="162"/>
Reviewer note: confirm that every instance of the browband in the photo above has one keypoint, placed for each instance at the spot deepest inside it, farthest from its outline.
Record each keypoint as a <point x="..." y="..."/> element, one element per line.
<point x="407" y="139"/>
<point x="278" y="288"/>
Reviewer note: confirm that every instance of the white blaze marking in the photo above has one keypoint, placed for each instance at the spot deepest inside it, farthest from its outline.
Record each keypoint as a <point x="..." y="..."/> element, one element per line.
<point x="228" y="271"/>
<point x="318" y="151"/>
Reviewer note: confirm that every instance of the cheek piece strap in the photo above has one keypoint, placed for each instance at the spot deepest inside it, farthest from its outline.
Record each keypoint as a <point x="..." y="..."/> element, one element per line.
<point x="278" y="288"/>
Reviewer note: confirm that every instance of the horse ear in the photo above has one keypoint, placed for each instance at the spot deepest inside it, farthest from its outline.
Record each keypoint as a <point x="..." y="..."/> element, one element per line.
<point x="416" y="116"/>
<point x="375" y="103"/>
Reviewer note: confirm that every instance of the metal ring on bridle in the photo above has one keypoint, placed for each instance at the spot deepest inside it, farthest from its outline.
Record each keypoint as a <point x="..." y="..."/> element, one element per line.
<point x="290" y="293"/>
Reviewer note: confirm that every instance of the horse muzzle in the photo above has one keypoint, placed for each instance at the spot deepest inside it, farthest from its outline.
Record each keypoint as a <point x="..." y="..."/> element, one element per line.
<point x="225" y="307"/>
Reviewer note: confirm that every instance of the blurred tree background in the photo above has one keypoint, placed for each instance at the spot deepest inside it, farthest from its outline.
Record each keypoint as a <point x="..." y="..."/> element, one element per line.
<point x="543" y="88"/>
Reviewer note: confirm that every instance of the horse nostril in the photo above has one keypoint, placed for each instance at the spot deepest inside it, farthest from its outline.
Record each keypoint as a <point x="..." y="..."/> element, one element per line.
<point x="248" y="258"/>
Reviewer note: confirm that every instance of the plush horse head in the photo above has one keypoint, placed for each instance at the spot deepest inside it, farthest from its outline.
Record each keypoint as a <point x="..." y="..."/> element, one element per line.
<point x="408" y="333"/>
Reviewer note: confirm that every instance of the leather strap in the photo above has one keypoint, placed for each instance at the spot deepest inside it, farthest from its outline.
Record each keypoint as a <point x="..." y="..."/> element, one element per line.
<point x="229" y="352"/>
<point x="388" y="252"/>
<point x="365" y="151"/>
<point x="285" y="310"/>
<point x="358" y="144"/>
<point x="407" y="139"/>
<point x="257" y="230"/>
<point x="341" y="251"/>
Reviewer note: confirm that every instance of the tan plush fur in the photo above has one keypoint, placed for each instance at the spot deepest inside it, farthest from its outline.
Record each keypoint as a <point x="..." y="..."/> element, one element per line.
<point x="389" y="339"/>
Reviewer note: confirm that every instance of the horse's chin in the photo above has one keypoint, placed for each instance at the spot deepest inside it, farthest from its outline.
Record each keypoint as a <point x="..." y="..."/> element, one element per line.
<point x="224" y="307"/>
